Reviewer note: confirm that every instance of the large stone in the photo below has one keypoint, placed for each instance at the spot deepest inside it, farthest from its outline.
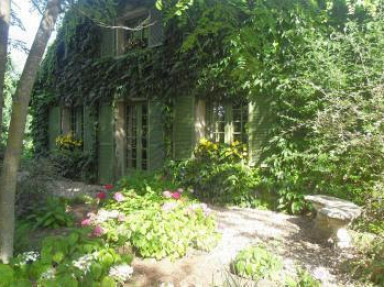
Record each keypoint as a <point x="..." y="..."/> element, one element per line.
<point x="333" y="216"/>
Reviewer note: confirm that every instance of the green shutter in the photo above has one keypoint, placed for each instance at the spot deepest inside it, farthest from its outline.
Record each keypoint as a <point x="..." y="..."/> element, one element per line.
<point x="156" y="136"/>
<point x="260" y="121"/>
<point x="184" y="127"/>
<point x="54" y="126"/>
<point x="105" y="136"/>
<point x="80" y="122"/>
<point x="107" y="42"/>
<point x="89" y="133"/>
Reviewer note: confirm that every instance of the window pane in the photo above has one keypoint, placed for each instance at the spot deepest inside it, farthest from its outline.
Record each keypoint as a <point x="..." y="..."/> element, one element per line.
<point x="237" y="127"/>
<point x="240" y="118"/>
<point x="137" y="136"/>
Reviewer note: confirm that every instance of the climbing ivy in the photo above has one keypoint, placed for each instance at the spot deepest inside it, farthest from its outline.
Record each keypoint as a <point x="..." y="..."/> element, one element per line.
<point x="74" y="73"/>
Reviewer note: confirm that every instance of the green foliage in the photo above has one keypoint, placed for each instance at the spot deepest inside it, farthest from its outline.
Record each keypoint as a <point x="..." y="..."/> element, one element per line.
<point x="71" y="161"/>
<point x="72" y="260"/>
<point x="159" y="225"/>
<point x="256" y="262"/>
<point x="369" y="266"/>
<point x="218" y="173"/>
<point x="52" y="213"/>
<point x="302" y="279"/>
<point x="22" y="242"/>
<point x="319" y="63"/>
<point x="143" y="182"/>
<point x="10" y="80"/>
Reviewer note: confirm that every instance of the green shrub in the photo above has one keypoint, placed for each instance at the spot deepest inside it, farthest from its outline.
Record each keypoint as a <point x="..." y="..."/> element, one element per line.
<point x="143" y="181"/>
<point x="218" y="173"/>
<point x="71" y="161"/>
<point x="369" y="266"/>
<point x="72" y="260"/>
<point x="256" y="263"/>
<point x="52" y="214"/>
<point x="156" y="222"/>
<point x="303" y="279"/>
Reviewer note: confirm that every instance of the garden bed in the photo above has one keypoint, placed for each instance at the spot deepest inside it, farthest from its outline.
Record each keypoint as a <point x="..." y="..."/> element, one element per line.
<point x="285" y="236"/>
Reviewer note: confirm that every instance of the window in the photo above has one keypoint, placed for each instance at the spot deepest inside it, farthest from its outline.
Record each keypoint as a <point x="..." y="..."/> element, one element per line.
<point x="148" y="31"/>
<point x="137" y="135"/>
<point x="135" y="39"/>
<point x="239" y="120"/>
<point x="77" y="122"/>
<point x="226" y="122"/>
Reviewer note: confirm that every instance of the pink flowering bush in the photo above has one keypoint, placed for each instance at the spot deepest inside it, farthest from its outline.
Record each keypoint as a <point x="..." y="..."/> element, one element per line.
<point x="98" y="231"/>
<point x="86" y="222"/>
<point x="169" y="206"/>
<point x="118" y="196"/>
<point x="155" y="220"/>
<point x="161" y="223"/>
<point x="167" y="194"/>
<point x="176" y="195"/>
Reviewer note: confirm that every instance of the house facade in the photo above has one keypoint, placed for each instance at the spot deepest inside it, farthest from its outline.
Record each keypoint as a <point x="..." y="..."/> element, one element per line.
<point x="135" y="131"/>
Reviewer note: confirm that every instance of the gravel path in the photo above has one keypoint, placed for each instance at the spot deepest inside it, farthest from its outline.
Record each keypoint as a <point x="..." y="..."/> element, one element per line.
<point x="288" y="236"/>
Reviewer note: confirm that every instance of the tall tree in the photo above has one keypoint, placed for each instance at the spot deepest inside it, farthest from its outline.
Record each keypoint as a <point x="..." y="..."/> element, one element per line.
<point x="16" y="130"/>
<point x="5" y="15"/>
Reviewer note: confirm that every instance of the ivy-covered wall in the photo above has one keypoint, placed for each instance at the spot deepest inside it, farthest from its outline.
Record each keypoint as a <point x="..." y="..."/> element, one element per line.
<point x="82" y="68"/>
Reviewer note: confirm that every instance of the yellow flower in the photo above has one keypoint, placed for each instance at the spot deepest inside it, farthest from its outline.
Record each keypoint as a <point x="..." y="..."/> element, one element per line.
<point x="203" y="141"/>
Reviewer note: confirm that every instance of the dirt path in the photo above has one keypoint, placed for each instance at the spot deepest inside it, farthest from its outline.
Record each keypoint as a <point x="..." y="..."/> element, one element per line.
<point x="288" y="236"/>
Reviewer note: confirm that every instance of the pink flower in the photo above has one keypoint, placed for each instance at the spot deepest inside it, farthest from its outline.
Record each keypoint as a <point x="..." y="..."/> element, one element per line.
<point x="121" y="217"/>
<point x="108" y="186"/>
<point x="98" y="231"/>
<point x="180" y="190"/>
<point x="176" y="195"/>
<point x="85" y="222"/>
<point x="167" y="194"/>
<point x="101" y="195"/>
<point x="169" y="206"/>
<point x="118" y="196"/>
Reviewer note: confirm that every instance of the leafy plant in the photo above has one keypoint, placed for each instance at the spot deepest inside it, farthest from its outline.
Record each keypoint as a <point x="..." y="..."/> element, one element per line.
<point x="52" y="214"/>
<point x="303" y="279"/>
<point x="369" y="266"/>
<point x="157" y="222"/>
<point x="218" y="173"/>
<point x="72" y="260"/>
<point x="256" y="262"/>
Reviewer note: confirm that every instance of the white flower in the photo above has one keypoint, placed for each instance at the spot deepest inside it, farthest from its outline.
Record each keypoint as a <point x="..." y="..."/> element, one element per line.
<point x="121" y="272"/>
<point x="49" y="274"/>
<point x="28" y="257"/>
<point x="84" y="262"/>
<point x="104" y="215"/>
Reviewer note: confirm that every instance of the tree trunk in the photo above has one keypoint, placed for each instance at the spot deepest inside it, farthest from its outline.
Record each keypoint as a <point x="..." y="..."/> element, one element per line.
<point x="16" y="130"/>
<point x="5" y="12"/>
